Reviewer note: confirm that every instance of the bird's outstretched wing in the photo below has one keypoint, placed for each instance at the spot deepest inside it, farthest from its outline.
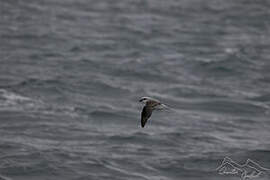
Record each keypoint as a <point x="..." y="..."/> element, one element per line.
<point x="145" y="115"/>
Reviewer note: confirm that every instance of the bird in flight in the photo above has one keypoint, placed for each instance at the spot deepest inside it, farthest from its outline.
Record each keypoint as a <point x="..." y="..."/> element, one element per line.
<point x="150" y="105"/>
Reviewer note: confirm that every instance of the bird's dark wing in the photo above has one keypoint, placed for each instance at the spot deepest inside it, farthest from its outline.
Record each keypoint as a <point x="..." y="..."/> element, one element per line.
<point x="145" y="115"/>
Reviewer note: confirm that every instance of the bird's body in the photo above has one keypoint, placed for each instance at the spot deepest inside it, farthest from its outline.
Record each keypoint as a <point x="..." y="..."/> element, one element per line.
<point x="150" y="105"/>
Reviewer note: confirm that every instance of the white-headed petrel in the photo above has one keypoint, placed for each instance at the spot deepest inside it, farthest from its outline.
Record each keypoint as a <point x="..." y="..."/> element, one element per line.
<point x="150" y="105"/>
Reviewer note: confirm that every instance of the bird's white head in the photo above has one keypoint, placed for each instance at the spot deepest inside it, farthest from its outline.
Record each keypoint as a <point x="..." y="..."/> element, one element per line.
<point x="144" y="99"/>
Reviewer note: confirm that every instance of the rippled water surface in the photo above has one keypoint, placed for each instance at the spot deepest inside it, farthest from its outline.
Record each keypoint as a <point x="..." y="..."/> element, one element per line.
<point x="72" y="73"/>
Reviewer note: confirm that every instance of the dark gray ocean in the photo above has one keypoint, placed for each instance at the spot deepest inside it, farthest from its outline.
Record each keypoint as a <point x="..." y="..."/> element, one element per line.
<point x="72" y="73"/>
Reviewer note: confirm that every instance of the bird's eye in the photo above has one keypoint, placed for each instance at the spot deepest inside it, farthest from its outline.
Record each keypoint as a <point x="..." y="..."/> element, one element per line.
<point x="142" y="99"/>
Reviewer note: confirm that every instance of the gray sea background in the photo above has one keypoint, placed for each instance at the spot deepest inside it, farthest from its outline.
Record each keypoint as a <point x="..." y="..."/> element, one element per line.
<point x="72" y="73"/>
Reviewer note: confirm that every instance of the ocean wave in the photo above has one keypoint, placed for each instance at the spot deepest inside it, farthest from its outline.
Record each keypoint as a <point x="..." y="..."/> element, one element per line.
<point x="234" y="63"/>
<point x="233" y="107"/>
<point x="10" y="101"/>
<point x="27" y="163"/>
<point x="4" y="177"/>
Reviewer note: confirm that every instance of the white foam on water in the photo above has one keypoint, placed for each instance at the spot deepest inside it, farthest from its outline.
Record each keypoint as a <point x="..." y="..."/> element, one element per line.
<point x="12" y="96"/>
<point x="11" y="101"/>
<point x="4" y="177"/>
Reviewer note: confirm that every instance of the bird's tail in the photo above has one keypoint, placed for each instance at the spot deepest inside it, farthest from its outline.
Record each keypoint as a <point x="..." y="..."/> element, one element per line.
<point x="163" y="107"/>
